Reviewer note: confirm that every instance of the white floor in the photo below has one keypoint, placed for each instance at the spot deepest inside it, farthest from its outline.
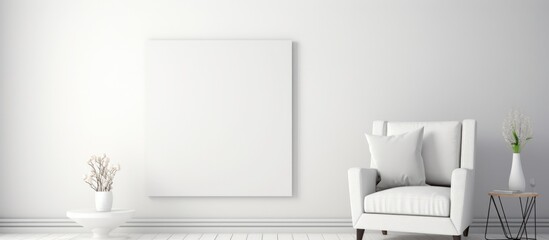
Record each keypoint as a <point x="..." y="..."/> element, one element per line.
<point x="243" y="236"/>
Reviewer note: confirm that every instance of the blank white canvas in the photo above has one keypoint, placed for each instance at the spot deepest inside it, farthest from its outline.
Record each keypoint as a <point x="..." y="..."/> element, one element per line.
<point x="218" y="118"/>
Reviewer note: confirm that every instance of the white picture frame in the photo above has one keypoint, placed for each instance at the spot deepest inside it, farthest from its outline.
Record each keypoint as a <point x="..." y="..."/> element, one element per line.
<point x="218" y="118"/>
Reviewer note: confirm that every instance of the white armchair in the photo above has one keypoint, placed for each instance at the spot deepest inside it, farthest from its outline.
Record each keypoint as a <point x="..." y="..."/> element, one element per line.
<point x="442" y="207"/>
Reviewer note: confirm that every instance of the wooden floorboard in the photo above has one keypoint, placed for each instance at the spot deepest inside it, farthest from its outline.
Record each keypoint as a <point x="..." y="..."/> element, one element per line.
<point x="224" y="236"/>
<point x="346" y="236"/>
<point x="255" y="236"/>
<point x="315" y="236"/>
<point x="178" y="236"/>
<point x="208" y="236"/>
<point x="193" y="236"/>
<point x="285" y="236"/>
<point x="300" y="236"/>
<point x="270" y="236"/>
<point x="162" y="236"/>
<point x="149" y="236"/>
<point x="330" y="236"/>
<point x="239" y="236"/>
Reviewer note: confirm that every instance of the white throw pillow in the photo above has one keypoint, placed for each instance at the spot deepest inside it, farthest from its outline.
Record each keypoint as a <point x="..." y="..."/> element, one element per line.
<point x="397" y="159"/>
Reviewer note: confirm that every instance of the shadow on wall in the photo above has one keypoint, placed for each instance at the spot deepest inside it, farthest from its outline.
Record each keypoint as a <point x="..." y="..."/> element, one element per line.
<point x="295" y="118"/>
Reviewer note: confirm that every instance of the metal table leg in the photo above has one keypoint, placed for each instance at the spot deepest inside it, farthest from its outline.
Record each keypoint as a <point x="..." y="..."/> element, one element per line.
<point x="526" y="211"/>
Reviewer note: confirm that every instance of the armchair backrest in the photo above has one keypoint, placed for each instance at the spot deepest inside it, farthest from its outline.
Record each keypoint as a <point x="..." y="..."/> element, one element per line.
<point x="447" y="145"/>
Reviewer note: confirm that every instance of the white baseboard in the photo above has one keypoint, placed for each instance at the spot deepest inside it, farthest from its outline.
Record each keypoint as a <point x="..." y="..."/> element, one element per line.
<point x="186" y="225"/>
<point x="224" y="225"/>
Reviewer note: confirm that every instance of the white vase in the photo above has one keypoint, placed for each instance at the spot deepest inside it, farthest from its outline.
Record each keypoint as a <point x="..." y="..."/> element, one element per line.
<point x="516" y="177"/>
<point x="103" y="201"/>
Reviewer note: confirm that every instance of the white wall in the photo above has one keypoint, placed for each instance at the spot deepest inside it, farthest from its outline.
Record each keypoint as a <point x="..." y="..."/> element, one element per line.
<point x="71" y="85"/>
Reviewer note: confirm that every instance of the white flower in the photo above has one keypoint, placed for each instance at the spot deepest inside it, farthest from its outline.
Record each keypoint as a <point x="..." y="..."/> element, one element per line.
<point x="87" y="179"/>
<point x="517" y="130"/>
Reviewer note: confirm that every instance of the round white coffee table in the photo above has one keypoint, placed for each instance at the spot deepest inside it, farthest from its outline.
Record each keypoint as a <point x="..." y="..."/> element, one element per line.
<point x="101" y="223"/>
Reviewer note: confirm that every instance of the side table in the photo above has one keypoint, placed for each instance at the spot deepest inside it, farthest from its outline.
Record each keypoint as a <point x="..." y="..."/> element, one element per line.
<point x="101" y="223"/>
<point x="526" y="208"/>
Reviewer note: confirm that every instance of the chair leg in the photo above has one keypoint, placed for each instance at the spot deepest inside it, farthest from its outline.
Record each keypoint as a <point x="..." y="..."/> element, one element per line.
<point x="466" y="232"/>
<point x="359" y="233"/>
<point x="457" y="237"/>
<point x="384" y="232"/>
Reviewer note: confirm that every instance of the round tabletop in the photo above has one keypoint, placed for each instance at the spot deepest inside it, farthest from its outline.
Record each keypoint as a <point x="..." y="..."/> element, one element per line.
<point x="91" y="213"/>
<point x="522" y="194"/>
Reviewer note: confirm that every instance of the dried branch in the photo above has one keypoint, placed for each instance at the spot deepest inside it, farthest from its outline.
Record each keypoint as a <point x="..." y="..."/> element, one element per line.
<point x="102" y="173"/>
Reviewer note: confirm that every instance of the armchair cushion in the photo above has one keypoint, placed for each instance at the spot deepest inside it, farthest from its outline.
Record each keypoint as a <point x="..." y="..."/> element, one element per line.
<point x="398" y="159"/>
<point x="441" y="147"/>
<point x="411" y="200"/>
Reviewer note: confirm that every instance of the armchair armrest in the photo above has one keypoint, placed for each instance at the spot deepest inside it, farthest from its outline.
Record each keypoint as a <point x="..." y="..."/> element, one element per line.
<point x="461" y="198"/>
<point x="362" y="181"/>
